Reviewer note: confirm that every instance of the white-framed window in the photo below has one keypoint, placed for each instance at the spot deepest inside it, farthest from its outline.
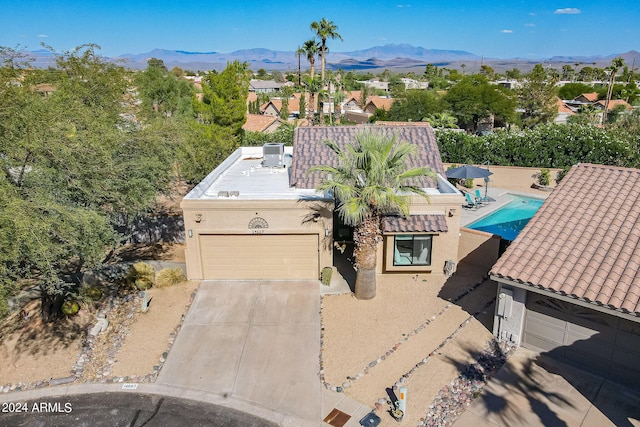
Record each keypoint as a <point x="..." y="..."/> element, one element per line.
<point x="412" y="249"/>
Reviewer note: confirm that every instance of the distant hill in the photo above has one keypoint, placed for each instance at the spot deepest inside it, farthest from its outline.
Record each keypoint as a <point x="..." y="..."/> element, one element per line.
<point x="397" y="57"/>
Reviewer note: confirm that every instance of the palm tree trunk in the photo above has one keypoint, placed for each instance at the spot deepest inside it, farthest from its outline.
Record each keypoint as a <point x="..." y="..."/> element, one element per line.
<point x="366" y="237"/>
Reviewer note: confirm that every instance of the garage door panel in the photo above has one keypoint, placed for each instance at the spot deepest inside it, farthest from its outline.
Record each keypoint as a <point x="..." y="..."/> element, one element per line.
<point x="261" y="256"/>
<point x="598" y="342"/>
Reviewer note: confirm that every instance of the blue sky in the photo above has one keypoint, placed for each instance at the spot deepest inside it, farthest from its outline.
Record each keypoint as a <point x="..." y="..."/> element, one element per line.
<point x="498" y="28"/>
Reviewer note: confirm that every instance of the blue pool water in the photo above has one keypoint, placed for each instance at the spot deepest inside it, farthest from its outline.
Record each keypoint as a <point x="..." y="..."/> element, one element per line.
<point x="510" y="219"/>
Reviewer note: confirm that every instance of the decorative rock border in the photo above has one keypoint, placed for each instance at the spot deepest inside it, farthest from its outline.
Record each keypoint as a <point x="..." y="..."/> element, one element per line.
<point x="353" y="378"/>
<point x="454" y="398"/>
<point x="131" y="302"/>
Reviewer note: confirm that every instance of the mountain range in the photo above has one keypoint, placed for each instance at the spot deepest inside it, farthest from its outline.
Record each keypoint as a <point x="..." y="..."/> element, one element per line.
<point x="395" y="57"/>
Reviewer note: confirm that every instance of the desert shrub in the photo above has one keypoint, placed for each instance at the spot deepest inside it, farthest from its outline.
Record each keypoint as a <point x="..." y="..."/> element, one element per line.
<point x="169" y="277"/>
<point x="543" y="177"/>
<point x="325" y="276"/>
<point x="93" y="293"/>
<point x="70" y="308"/>
<point x="141" y="275"/>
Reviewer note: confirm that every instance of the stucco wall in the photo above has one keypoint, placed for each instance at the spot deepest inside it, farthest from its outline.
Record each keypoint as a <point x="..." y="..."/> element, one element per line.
<point x="478" y="248"/>
<point x="444" y="245"/>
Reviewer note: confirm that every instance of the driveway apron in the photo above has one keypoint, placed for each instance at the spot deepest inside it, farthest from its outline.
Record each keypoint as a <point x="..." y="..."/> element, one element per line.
<point x="256" y="341"/>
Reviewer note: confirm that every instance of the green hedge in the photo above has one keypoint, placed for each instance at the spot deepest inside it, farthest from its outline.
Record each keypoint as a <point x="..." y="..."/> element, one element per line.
<point x="549" y="146"/>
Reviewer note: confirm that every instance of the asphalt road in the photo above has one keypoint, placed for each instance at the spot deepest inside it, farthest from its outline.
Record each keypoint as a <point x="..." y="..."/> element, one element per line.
<point x="122" y="409"/>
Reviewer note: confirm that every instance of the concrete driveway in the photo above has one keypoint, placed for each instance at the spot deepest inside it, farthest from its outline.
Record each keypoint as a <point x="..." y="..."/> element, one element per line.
<point x="255" y="343"/>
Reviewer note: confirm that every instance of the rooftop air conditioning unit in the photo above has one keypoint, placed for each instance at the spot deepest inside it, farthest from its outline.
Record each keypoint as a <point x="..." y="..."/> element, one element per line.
<point x="273" y="153"/>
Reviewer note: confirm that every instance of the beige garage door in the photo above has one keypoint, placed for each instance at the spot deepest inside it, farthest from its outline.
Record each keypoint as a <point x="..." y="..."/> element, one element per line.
<point x="259" y="256"/>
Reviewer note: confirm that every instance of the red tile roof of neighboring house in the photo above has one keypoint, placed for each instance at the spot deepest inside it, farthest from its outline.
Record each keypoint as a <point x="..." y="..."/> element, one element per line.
<point x="380" y="102"/>
<point x="310" y="150"/>
<point x="562" y="107"/>
<point x="415" y="224"/>
<point x="260" y="122"/>
<point x="292" y="105"/>
<point x="615" y="102"/>
<point x="584" y="242"/>
<point x="591" y="97"/>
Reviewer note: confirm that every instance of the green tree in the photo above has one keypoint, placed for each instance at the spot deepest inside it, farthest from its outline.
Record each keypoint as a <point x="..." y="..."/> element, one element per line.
<point x="474" y="98"/>
<point x="225" y="97"/>
<point x="164" y="94"/>
<point x="538" y="97"/>
<point x="415" y="105"/>
<point x="572" y="90"/>
<point x="284" y="111"/>
<point x="371" y="180"/>
<point x="324" y="30"/>
<point x="73" y="169"/>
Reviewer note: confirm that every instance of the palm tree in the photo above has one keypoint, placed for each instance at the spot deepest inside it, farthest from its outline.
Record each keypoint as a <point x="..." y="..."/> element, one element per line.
<point x="313" y="86"/>
<point x="371" y="180"/>
<point x="310" y="49"/>
<point x="324" y="29"/>
<point x="616" y="63"/>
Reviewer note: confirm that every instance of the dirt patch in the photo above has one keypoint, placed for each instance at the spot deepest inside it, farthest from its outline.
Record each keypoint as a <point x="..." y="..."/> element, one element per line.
<point x="151" y="331"/>
<point x="33" y="351"/>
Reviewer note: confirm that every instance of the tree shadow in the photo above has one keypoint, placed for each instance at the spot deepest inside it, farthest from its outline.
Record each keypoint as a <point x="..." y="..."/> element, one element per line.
<point x="541" y="389"/>
<point x="511" y="388"/>
<point x="469" y="289"/>
<point x="35" y="337"/>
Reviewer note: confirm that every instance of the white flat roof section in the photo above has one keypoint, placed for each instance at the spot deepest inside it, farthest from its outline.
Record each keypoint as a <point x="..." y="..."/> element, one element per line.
<point x="242" y="177"/>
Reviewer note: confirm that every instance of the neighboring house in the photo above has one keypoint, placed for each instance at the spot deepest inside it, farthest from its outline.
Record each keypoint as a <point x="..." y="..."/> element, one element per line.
<point x="375" y="84"/>
<point x="378" y="103"/>
<point x="264" y="86"/>
<point x="414" y="84"/>
<point x="564" y="112"/>
<point x="44" y="89"/>
<point x="569" y="285"/>
<point x="262" y="123"/>
<point x="613" y="103"/>
<point x="587" y="98"/>
<point x="258" y="216"/>
<point x="274" y="106"/>
<point x="509" y="84"/>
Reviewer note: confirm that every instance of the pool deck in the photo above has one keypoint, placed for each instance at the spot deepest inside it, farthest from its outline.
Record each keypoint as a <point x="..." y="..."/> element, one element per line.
<point x="500" y="196"/>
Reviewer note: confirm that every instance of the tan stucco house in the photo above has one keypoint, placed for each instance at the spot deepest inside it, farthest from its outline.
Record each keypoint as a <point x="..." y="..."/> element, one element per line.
<point x="258" y="215"/>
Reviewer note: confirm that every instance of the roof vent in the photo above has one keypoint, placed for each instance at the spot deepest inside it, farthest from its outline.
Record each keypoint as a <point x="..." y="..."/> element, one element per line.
<point x="273" y="153"/>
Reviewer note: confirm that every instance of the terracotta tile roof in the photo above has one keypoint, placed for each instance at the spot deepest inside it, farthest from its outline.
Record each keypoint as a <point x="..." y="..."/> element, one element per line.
<point x="379" y="102"/>
<point x="310" y="150"/>
<point x="615" y="102"/>
<point x="260" y="122"/>
<point x="414" y="224"/>
<point x="251" y="97"/>
<point x="584" y="242"/>
<point x="293" y="104"/>
<point x="562" y="107"/>
<point x="590" y="97"/>
<point x="388" y="123"/>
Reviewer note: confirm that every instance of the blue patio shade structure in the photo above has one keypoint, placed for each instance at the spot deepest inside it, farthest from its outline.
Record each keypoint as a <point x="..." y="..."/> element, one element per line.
<point x="469" y="172"/>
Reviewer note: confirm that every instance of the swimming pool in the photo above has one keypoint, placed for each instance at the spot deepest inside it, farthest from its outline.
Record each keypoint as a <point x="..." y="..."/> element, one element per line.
<point x="510" y="219"/>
